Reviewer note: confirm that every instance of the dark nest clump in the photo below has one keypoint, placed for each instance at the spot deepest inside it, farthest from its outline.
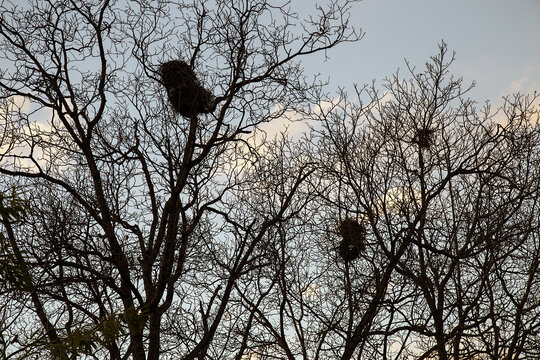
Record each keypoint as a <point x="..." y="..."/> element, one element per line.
<point x="353" y="242"/>
<point x="424" y="137"/>
<point x="186" y="95"/>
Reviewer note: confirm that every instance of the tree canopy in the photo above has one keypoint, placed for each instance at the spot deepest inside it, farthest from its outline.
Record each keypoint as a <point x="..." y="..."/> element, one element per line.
<point x="149" y="215"/>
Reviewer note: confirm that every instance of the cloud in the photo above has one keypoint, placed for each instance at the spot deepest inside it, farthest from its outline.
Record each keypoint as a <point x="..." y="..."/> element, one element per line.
<point x="394" y="201"/>
<point x="526" y="84"/>
<point x="311" y="292"/>
<point x="14" y="103"/>
<point x="9" y="107"/>
<point x="527" y="87"/>
<point x="327" y="105"/>
<point x="386" y="98"/>
<point x="290" y="125"/>
<point x="25" y="135"/>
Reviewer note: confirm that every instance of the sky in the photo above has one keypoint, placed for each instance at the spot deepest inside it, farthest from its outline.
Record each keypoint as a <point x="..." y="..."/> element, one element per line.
<point x="497" y="43"/>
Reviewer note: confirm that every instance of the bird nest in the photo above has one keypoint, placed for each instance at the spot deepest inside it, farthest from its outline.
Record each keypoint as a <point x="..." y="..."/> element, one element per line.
<point x="424" y="137"/>
<point x="185" y="93"/>
<point x="353" y="239"/>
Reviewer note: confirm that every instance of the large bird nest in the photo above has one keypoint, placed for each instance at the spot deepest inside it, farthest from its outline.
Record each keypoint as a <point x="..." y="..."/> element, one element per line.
<point x="424" y="138"/>
<point x="353" y="239"/>
<point x="185" y="93"/>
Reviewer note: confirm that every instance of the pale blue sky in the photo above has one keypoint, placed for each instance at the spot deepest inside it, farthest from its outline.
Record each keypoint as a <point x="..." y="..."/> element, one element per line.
<point x="497" y="43"/>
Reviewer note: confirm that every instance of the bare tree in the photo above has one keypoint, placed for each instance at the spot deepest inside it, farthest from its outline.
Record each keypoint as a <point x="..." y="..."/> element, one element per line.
<point x="155" y="221"/>
<point x="140" y="240"/>
<point x="448" y="196"/>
